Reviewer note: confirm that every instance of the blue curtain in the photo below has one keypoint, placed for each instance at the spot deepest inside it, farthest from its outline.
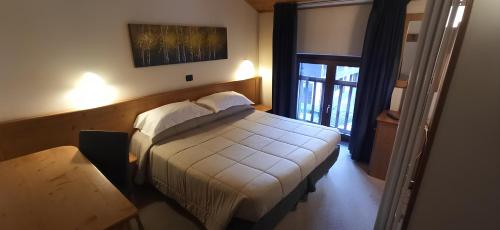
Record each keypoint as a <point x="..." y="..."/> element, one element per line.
<point x="284" y="60"/>
<point x="378" y="74"/>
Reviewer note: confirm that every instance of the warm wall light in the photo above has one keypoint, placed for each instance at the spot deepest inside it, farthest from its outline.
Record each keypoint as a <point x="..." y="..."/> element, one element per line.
<point x="245" y="70"/>
<point x="91" y="91"/>
<point x="265" y="73"/>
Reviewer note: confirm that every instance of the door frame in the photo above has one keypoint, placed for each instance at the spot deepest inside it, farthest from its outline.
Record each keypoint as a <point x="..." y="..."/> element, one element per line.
<point x="421" y="164"/>
<point x="402" y="168"/>
<point x="329" y="60"/>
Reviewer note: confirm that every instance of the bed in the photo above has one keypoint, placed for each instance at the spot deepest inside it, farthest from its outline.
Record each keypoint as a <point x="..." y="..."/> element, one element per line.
<point x="247" y="210"/>
<point x="245" y="170"/>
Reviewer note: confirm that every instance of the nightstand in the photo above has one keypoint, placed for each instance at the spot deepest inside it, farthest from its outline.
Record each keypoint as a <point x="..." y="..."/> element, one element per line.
<point x="382" y="147"/>
<point x="263" y="108"/>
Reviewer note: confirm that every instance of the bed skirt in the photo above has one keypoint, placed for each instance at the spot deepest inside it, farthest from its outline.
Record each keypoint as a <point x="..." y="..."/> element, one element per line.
<point x="273" y="217"/>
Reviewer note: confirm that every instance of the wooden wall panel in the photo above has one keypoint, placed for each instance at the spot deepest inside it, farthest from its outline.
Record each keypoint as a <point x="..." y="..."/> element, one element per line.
<point x="22" y="137"/>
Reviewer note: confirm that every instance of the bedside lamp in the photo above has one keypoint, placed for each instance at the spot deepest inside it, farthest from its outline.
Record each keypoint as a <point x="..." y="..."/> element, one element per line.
<point x="397" y="99"/>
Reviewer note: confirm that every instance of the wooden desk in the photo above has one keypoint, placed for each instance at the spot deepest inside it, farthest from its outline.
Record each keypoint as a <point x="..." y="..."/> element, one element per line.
<point x="59" y="189"/>
<point x="382" y="147"/>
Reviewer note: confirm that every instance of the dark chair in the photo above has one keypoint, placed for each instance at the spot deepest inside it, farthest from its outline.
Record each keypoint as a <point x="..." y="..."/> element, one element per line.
<point x="108" y="151"/>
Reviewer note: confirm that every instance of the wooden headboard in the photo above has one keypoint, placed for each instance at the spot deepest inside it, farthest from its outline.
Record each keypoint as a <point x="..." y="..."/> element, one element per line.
<point x="22" y="137"/>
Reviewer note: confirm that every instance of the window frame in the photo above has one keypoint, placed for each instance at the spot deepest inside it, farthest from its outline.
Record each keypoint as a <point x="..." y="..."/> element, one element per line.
<point x="331" y="61"/>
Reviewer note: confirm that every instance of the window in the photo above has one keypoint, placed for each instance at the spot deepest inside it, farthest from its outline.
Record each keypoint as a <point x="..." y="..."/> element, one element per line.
<point x="327" y="90"/>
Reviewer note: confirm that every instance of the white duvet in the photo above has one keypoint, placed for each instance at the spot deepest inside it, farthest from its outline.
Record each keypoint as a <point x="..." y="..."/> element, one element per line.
<point x="239" y="166"/>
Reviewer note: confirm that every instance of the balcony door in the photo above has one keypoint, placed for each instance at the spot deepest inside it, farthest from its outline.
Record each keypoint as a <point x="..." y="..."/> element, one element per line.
<point x="327" y="90"/>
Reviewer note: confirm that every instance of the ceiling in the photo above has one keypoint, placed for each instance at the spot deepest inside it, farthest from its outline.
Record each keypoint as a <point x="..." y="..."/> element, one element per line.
<point x="267" y="5"/>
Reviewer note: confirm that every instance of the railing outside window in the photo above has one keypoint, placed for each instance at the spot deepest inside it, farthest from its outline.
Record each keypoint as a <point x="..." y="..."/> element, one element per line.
<point x="344" y="96"/>
<point x="312" y="81"/>
<point x="327" y="90"/>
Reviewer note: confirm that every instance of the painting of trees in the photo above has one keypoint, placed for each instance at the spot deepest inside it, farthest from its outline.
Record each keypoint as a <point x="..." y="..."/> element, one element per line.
<point x="145" y="42"/>
<point x="171" y="44"/>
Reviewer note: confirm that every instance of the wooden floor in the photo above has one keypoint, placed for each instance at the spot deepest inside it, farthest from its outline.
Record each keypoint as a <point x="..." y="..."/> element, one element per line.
<point x="346" y="198"/>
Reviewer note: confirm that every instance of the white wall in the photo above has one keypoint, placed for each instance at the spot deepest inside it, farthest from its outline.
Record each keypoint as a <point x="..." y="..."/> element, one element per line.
<point x="333" y="30"/>
<point x="409" y="50"/>
<point x="416" y="6"/>
<point x="461" y="184"/>
<point x="266" y="56"/>
<point x="45" y="46"/>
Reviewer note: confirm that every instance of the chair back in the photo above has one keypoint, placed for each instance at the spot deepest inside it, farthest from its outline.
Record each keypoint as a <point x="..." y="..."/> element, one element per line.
<point x="108" y="151"/>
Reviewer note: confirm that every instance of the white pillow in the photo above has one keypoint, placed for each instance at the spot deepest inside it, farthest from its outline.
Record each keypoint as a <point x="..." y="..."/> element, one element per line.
<point x="224" y="100"/>
<point x="155" y="121"/>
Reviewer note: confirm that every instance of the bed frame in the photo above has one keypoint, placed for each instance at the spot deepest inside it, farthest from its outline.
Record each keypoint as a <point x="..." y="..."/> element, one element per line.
<point x="275" y="215"/>
<point x="26" y="136"/>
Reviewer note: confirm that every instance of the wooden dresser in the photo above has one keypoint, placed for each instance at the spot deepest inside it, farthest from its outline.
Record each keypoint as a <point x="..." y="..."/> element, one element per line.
<point x="382" y="146"/>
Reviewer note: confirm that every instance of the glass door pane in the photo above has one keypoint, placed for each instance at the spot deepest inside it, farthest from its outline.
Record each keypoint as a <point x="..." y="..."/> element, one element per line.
<point x="347" y="74"/>
<point x="344" y="96"/>
<point x="312" y="78"/>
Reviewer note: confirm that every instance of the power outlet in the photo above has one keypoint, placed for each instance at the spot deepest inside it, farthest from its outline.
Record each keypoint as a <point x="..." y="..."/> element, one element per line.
<point x="189" y="77"/>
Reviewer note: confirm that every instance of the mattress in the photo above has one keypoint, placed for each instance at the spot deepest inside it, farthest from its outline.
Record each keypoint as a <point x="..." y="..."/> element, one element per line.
<point x="240" y="166"/>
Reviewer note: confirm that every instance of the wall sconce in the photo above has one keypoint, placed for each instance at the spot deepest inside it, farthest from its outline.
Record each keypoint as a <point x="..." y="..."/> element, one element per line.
<point x="91" y="91"/>
<point x="245" y="70"/>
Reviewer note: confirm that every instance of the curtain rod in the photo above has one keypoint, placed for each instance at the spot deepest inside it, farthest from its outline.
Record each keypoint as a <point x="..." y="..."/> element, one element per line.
<point x="330" y="3"/>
